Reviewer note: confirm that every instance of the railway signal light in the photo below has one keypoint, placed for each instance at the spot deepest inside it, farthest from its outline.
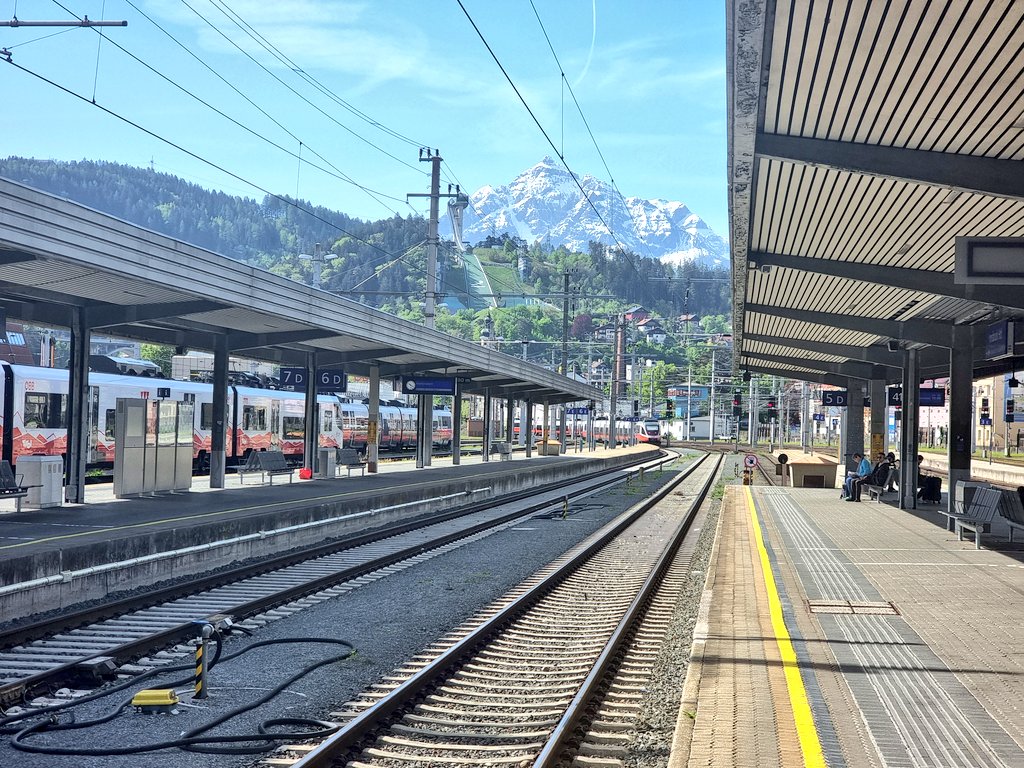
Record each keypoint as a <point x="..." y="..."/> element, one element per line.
<point x="984" y="406"/>
<point x="773" y="410"/>
<point x="737" y="405"/>
<point x="636" y="407"/>
<point x="670" y="408"/>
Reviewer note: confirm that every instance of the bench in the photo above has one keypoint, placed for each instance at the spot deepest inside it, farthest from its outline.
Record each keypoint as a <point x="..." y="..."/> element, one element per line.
<point x="350" y="459"/>
<point x="977" y="517"/>
<point x="503" y="449"/>
<point x="267" y="464"/>
<point x="1012" y="510"/>
<point x="10" y="486"/>
<point x="877" y="491"/>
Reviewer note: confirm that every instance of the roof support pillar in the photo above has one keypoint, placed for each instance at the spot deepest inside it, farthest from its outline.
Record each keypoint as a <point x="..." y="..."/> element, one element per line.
<point x="78" y="408"/>
<point x="218" y="433"/>
<point x="908" y="441"/>
<point x="456" y="443"/>
<point x="373" y="421"/>
<point x="879" y="409"/>
<point x="311" y="435"/>
<point x="961" y="384"/>
<point x="527" y="426"/>
<point x="853" y="435"/>
<point x="510" y="417"/>
<point x="485" y="450"/>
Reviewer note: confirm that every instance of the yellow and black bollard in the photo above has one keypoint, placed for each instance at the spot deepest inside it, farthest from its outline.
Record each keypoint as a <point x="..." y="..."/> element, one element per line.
<point x="201" y="691"/>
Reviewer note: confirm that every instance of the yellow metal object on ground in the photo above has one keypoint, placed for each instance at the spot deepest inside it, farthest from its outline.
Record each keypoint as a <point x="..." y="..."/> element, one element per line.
<point x="155" y="700"/>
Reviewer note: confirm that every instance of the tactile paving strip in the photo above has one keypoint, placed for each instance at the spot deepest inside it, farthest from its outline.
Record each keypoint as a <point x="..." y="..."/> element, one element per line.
<point x="918" y="712"/>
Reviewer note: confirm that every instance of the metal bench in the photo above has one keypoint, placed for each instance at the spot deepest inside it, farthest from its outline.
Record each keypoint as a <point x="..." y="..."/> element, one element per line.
<point x="10" y="486"/>
<point x="1012" y="510"/>
<point x="350" y="459"/>
<point x="877" y="491"/>
<point x="503" y="449"/>
<point x="267" y="464"/>
<point x="979" y="514"/>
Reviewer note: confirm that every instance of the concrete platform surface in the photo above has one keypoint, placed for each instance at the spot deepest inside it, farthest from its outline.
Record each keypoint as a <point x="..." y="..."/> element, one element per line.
<point x="853" y="635"/>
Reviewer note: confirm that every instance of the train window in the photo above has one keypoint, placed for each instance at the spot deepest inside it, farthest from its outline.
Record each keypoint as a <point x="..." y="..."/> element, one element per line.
<point x="206" y="416"/>
<point x="108" y="424"/>
<point x="293" y="427"/>
<point x="45" y="410"/>
<point x="254" y="419"/>
<point x="327" y="424"/>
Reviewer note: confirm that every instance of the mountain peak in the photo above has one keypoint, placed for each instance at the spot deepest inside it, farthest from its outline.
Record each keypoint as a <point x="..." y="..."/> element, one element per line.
<point x="544" y="204"/>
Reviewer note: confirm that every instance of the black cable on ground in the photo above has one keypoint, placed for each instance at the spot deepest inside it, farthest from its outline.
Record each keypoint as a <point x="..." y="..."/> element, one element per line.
<point x="192" y="740"/>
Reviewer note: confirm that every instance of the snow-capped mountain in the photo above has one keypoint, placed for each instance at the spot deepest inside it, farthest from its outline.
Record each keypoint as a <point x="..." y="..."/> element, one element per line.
<point x="545" y="204"/>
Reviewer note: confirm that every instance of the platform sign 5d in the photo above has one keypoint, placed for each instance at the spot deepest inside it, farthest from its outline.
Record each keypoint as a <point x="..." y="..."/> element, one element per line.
<point x="836" y="398"/>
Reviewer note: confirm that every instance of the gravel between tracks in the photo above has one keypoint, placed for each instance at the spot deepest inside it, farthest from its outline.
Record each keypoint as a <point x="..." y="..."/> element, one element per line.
<point x="388" y="620"/>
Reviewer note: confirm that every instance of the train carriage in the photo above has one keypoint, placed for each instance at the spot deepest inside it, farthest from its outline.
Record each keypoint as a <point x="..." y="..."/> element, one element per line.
<point x="34" y="401"/>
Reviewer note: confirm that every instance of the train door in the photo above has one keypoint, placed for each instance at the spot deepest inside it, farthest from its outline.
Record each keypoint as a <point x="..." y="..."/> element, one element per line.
<point x="93" y="438"/>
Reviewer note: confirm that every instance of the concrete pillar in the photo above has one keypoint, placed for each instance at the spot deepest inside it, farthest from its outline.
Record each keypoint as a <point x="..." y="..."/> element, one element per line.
<point x="218" y="434"/>
<point x="510" y="417"/>
<point x="908" y="437"/>
<point x="457" y="424"/>
<point x="373" y="425"/>
<point x="311" y="437"/>
<point x="961" y="398"/>
<point x="526" y="428"/>
<point x="487" y="436"/>
<point x="77" y="451"/>
<point x="879" y="409"/>
<point x="853" y="436"/>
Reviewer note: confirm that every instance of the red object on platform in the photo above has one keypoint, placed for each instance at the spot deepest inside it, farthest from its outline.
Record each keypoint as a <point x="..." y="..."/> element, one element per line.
<point x="305" y="473"/>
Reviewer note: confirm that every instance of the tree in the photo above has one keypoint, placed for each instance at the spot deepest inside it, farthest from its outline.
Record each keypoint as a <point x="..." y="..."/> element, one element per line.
<point x="159" y="354"/>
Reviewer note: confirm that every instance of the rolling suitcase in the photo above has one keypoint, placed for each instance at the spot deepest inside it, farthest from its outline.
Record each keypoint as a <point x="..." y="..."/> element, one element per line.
<point x="931" y="489"/>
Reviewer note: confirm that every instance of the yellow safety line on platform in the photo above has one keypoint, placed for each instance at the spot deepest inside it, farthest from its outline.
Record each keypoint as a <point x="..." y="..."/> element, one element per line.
<point x="810" y="745"/>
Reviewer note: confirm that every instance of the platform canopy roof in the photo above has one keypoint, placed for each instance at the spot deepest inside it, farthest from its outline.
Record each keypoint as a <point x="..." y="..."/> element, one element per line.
<point x="60" y="260"/>
<point x="864" y="137"/>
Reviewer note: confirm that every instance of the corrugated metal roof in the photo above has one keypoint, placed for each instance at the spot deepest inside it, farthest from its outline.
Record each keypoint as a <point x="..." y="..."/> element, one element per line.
<point x="864" y="137"/>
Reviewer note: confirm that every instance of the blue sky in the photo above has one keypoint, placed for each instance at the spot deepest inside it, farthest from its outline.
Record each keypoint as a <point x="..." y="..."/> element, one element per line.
<point x="648" y="74"/>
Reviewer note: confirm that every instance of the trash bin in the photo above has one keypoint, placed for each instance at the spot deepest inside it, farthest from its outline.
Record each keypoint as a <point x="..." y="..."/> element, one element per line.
<point x="45" y="477"/>
<point x="328" y="463"/>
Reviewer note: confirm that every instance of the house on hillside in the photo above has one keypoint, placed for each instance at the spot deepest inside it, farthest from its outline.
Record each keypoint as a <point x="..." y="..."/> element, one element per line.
<point x="636" y="313"/>
<point x="651" y="330"/>
<point x="605" y="332"/>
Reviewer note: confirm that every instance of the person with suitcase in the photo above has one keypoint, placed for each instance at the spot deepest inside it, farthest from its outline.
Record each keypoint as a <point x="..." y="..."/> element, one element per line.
<point x="929" y="487"/>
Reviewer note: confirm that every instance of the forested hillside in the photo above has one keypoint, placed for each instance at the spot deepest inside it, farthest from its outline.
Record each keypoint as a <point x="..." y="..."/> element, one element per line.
<point x="385" y="258"/>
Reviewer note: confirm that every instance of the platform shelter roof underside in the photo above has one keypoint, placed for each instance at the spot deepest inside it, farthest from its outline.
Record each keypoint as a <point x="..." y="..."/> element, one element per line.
<point x="864" y="137"/>
<point x="60" y="260"/>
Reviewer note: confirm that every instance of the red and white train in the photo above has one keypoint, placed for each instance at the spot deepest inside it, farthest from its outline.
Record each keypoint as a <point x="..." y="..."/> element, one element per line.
<point x="34" y="416"/>
<point x="647" y="431"/>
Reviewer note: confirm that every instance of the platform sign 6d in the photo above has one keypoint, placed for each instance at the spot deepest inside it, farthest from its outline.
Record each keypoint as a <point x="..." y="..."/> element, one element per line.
<point x="837" y="398"/>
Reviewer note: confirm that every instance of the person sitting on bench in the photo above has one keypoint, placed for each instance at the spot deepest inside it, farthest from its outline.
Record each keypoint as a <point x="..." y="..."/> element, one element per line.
<point x="851" y="488"/>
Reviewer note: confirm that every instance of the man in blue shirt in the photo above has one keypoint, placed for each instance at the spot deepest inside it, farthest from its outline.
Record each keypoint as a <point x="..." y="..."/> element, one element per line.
<point x="851" y="488"/>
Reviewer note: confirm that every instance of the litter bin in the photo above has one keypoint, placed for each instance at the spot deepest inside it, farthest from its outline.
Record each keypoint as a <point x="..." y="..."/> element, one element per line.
<point x="328" y="463"/>
<point x="45" y="477"/>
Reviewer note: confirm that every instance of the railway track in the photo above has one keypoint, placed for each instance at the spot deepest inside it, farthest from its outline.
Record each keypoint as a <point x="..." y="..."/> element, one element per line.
<point x="550" y="674"/>
<point x="95" y="641"/>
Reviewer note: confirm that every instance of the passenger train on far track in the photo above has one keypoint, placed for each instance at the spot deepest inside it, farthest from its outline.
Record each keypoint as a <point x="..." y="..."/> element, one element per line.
<point x="34" y="416"/>
<point x="646" y="431"/>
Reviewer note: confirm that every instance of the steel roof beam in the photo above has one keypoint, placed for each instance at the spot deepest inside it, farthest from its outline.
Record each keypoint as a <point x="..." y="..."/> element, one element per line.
<point x="102" y="315"/>
<point x="921" y="331"/>
<point x="875" y="355"/>
<point x="239" y="342"/>
<point x="850" y="368"/>
<point x="818" y="378"/>
<point x="971" y="173"/>
<point x="939" y="283"/>
<point x="327" y="357"/>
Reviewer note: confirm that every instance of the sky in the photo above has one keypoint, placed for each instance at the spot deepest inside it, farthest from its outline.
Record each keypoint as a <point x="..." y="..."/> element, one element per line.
<point x="337" y="114"/>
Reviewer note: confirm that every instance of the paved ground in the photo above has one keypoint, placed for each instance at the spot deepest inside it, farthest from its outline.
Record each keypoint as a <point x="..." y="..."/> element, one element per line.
<point x="907" y="642"/>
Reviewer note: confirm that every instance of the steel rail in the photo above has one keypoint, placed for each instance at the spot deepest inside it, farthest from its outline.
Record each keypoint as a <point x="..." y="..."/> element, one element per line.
<point x="550" y="755"/>
<point x="365" y="723"/>
<point x="18" y="690"/>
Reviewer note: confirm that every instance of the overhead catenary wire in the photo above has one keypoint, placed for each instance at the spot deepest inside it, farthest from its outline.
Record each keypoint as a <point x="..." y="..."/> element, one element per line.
<point x="547" y="137"/>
